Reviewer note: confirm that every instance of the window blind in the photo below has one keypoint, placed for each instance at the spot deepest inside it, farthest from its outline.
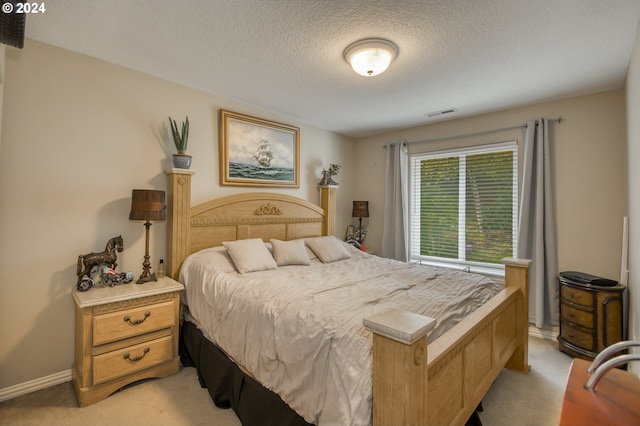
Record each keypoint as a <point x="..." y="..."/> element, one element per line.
<point x="463" y="205"/>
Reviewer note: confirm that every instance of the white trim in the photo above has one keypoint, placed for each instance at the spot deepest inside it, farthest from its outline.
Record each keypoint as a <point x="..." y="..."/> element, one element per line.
<point x="462" y="208"/>
<point x="544" y="333"/>
<point x="34" y="385"/>
<point x="474" y="149"/>
<point x="65" y="376"/>
<point x="473" y="267"/>
<point x="415" y="203"/>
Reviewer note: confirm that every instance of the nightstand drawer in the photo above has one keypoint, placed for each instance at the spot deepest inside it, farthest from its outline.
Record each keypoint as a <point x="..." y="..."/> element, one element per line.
<point x="577" y="316"/>
<point x="577" y="337"/>
<point x="579" y="297"/>
<point x="131" y="359"/>
<point x="132" y="322"/>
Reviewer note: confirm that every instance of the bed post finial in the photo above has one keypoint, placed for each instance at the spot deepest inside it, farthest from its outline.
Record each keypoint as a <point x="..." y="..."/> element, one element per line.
<point x="399" y="366"/>
<point x="328" y="204"/>
<point x="178" y="217"/>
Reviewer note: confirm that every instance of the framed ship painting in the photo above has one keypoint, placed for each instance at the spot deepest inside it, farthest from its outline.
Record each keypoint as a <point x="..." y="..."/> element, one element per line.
<point x="257" y="152"/>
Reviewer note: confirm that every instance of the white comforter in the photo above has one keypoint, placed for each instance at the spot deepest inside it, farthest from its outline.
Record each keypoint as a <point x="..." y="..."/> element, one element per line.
<point x="298" y="329"/>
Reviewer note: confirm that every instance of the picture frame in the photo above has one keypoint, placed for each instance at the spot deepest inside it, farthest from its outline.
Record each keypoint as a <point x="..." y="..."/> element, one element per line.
<point x="258" y="152"/>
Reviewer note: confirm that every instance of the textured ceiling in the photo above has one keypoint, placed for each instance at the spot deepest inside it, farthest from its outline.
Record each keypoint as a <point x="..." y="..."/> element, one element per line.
<point x="286" y="56"/>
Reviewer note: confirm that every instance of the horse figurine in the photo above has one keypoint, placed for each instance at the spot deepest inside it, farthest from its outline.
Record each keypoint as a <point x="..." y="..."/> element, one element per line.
<point x="327" y="175"/>
<point x="107" y="257"/>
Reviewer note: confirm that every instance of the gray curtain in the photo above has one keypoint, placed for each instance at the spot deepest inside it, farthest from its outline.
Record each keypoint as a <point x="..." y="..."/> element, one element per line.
<point x="396" y="198"/>
<point x="536" y="228"/>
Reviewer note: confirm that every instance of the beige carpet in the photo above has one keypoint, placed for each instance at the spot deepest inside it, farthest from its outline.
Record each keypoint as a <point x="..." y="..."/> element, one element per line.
<point x="514" y="399"/>
<point x="534" y="399"/>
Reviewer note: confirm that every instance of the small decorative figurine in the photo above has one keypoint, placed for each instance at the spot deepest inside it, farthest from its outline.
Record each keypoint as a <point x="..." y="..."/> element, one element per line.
<point x="86" y="262"/>
<point x="104" y="275"/>
<point x="327" y="175"/>
<point x="112" y="278"/>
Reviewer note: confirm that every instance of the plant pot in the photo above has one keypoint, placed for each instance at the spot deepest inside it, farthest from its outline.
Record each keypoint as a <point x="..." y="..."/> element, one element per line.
<point x="181" y="161"/>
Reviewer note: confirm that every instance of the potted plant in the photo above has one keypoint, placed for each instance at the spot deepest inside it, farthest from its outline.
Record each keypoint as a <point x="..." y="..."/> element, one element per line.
<point x="180" y="160"/>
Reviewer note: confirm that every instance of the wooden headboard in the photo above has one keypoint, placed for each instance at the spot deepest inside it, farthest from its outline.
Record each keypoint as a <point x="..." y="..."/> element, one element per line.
<point x="248" y="215"/>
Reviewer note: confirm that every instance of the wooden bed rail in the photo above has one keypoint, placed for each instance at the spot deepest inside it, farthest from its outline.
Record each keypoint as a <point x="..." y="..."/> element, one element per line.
<point x="444" y="385"/>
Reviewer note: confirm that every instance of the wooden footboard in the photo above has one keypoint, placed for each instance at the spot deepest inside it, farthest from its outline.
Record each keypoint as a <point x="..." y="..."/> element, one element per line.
<point x="444" y="384"/>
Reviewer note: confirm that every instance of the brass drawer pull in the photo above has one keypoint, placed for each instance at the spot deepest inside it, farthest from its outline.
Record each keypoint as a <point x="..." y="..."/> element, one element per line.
<point x="127" y="318"/>
<point x="136" y="358"/>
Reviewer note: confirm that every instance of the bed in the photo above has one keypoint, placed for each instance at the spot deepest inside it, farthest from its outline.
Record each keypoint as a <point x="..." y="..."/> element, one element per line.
<point x="411" y="381"/>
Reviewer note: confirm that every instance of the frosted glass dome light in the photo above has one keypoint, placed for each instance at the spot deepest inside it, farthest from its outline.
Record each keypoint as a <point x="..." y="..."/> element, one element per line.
<point x="371" y="56"/>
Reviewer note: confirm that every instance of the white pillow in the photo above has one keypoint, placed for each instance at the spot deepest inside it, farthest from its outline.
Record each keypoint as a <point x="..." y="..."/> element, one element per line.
<point x="290" y="252"/>
<point x="250" y="255"/>
<point x="328" y="249"/>
<point x="219" y="258"/>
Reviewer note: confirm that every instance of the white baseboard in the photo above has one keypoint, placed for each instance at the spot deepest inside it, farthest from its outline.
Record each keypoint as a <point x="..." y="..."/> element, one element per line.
<point x="550" y="333"/>
<point x="34" y="385"/>
<point x="65" y="376"/>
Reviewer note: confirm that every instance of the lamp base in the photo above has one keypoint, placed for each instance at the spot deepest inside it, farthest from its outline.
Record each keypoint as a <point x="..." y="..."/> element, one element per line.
<point x="146" y="275"/>
<point x="145" y="279"/>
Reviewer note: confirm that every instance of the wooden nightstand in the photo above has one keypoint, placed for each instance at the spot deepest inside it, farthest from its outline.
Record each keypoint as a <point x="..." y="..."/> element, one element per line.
<point x="123" y="334"/>
<point x="591" y="318"/>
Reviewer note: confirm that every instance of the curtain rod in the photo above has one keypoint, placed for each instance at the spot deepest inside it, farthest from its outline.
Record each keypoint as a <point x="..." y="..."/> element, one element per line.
<point x="484" y="132"/>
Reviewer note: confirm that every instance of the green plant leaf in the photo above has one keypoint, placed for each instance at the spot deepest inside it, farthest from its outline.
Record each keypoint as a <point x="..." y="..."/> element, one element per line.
<point x="180" y="140"/>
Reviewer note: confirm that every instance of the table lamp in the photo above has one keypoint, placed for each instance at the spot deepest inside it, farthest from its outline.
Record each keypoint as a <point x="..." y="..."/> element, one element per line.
<point x="147" y="205"/>
<point x="360" y="210"/>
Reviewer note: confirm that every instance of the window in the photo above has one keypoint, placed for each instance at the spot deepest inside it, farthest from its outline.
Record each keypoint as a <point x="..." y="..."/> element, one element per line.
<point x="464" y="206"/>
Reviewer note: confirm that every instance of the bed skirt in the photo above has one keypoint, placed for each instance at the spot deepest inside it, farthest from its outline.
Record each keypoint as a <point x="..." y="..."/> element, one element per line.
<point x="229" y="386"/>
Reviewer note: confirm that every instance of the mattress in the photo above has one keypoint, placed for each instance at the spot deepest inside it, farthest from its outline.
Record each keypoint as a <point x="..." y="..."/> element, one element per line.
<point x="298" y="329"/>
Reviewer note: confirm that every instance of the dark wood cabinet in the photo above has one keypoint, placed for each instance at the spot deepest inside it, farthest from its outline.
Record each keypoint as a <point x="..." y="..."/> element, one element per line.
<point x="591" y="317"/>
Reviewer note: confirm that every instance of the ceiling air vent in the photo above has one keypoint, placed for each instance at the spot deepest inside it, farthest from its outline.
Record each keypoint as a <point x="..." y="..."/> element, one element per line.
<point x="439" y="113"/>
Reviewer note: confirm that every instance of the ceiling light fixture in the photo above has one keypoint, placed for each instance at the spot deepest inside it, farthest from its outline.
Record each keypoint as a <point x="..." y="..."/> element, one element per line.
<point x="370" y="56"/>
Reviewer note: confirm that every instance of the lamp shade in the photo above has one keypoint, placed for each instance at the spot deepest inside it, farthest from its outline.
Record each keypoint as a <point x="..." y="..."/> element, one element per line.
<point x="360" y="209"/>
<point x="147" y="204"/>
<point x="370" y="57"/>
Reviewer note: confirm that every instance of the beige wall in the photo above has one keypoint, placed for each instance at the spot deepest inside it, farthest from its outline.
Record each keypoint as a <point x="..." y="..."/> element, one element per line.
<point x="633" y="131"/>
<point x="78" y="135"/>
<point x="590" y="172"/>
